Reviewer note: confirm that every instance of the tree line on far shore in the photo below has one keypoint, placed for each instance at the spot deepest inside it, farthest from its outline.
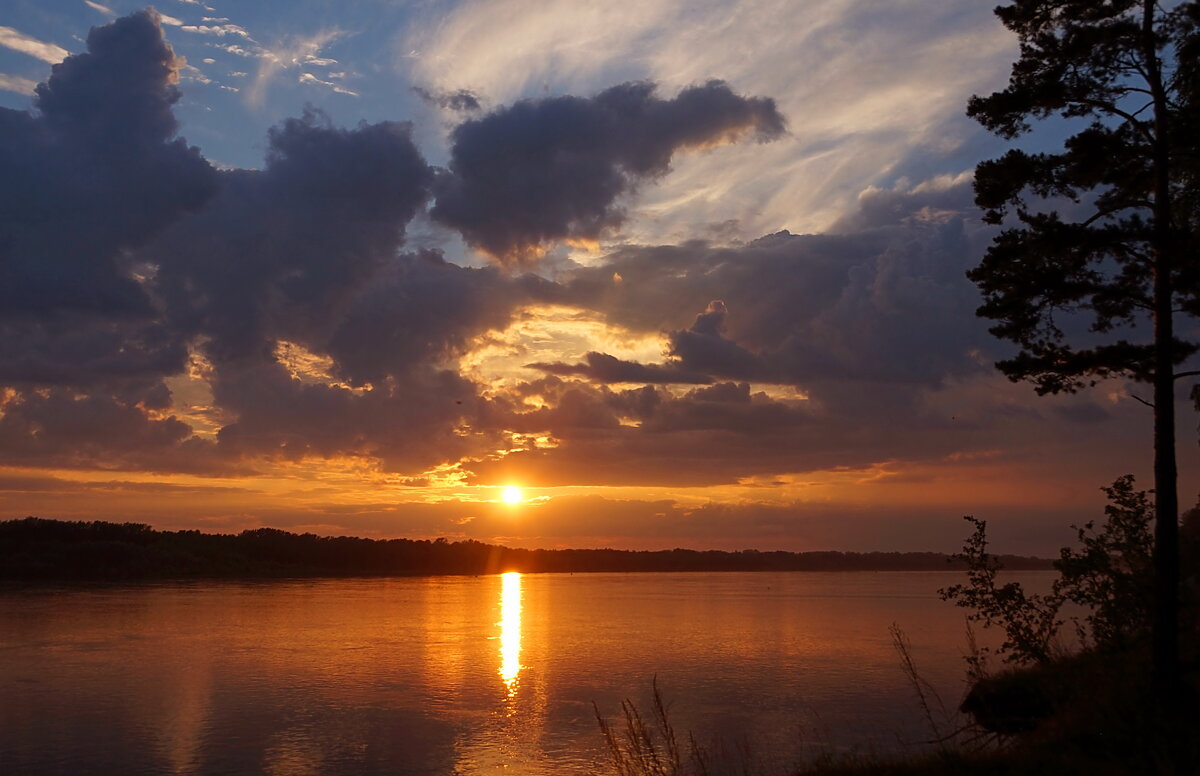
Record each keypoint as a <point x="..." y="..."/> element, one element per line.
<point x="38" y="549"/>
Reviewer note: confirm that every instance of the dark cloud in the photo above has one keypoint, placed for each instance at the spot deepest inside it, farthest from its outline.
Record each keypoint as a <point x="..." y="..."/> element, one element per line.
<point x="125" y="252"/>
<point x="603" y="368"/>
<point x="410" y="424"/>
<point x="61" y="428"/>
<point x="421" y="309"/>
<point x="729" y="433"/>
<point x="117" y="96"/>
<point x="124" y="249"/>
<point x="306" y="252"/>
<point x="90" y="177"/>
<point x="888" y="305"/>
<point x="705" y="349"/>
<point x="73" y="348"/>
<point x="462" y="100"/>
<point x="867" y="326"/>
<point x="554" y="169"/>
<point x="879" y="208"/>
<point x="716" y="434"/>
<point x="281" y="252"/>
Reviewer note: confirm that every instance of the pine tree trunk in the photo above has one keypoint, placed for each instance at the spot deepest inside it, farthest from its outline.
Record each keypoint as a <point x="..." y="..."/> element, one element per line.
<point x="1166" y="518"/>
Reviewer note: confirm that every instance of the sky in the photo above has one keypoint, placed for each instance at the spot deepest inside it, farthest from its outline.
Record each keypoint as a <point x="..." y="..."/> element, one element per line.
<point x="688" y="274"/>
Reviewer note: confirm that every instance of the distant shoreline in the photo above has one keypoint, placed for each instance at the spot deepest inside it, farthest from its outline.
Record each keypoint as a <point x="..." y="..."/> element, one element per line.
<point x="36" y="550"/>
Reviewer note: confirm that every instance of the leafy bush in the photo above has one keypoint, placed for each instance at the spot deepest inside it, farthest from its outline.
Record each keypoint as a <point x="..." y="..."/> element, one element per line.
<point x="1110" y="576"/>
<point x="1030" y="620"/>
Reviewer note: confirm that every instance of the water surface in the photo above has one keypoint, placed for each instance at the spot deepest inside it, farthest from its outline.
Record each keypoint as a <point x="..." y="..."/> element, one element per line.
<point x="461" y="675"/>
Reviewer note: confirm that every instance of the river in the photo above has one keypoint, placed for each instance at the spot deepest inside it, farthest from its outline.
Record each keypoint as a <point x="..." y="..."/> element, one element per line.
<point x="464" y="675"/>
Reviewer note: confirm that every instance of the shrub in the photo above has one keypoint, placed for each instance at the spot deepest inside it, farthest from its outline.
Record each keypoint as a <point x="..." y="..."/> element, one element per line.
<point x="1110" y="576"/>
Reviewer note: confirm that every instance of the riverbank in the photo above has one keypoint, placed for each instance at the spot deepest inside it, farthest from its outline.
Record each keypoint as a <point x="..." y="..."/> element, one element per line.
<point x="34" y="549"/>
<point x="1091" y="713"/>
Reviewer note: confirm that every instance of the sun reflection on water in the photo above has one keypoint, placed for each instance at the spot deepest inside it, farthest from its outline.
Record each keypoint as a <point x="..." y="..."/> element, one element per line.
<point x="510" y="630"/>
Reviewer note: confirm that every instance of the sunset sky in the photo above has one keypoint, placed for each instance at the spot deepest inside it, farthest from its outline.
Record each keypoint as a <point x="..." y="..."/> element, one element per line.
<point x="687" y="273"/>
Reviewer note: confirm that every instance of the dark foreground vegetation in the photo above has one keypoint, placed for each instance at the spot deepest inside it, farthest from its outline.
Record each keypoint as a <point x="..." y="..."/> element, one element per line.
<point x="1090" y="714"/>
<point x="1091" y="710"/>
<point x="37" y="549"/>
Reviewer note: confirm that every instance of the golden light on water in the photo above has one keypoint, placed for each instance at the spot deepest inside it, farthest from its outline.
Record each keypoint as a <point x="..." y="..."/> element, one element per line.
<point x="510" y="629"/>
<point x="512" y="495"/>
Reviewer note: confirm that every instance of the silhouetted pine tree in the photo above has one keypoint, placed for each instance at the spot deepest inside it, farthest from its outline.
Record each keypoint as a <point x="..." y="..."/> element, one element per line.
<point x="1105" y="231"/>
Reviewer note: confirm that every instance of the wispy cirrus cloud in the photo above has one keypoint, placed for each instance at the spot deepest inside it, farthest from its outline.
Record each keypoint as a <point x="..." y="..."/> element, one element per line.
<point x="309" y="78"/>
<point x="219" y="30"/>
<point x="867" y="90"/>
<point x="236" y="50"/>
<point x="15" y="83"/>
<point x="294" y="54"/>
<point x="104" y="9"/>
<point x="26" y="44"/>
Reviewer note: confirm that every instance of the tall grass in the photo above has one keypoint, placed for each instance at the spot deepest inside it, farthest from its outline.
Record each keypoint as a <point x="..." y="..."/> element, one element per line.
<point x="646" y="743"/>
<point x="641" y="748"/>
<point x="1099" y="720"/>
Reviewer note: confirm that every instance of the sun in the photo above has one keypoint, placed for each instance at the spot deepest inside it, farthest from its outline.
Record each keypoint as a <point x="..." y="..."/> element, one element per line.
<point x="511" y="495"/>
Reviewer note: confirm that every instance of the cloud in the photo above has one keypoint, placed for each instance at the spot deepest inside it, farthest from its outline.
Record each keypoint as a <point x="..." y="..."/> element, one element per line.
<point x="603" y="368"/>
<point x="277" y="255"/>
<point x="391" y="393"/>
<point x="104" y="9"/>
<point x="191" y="73"/>
<point x="870" y="305"/>
<point x="461" y="100"/>
<point x="150" y="251"/>
<point x="19" y="41"/>
<point x="15" y="83"/>
<point x="554" y="169"/>
<point x="91" y="177"/>
<point x="234" y="49"/>
<point x="424" y="310"/>
<point x="704" y="348"/>
<point x="309" y="78"/>
<point x="305" y="252"/>
<point x="295" y="53"/>
<point x="858" y="324"/>
<point x="280" y="253"/>
<point x="648" y="437"/>
<point x="152" y="259"/>
<point x="95" y="174"/>
<point x="406" y="426"/>
<point x="219" y="30"/>
<point x="502" y="51"/>
<point x="868" y="92"/>
<point x="63" y="429"/>
<point x="87" y="349"/>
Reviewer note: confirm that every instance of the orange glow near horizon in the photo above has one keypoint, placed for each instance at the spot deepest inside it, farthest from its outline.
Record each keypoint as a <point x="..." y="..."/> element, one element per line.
<point x="231" y="503"/>
<point x="510" y="630"/>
